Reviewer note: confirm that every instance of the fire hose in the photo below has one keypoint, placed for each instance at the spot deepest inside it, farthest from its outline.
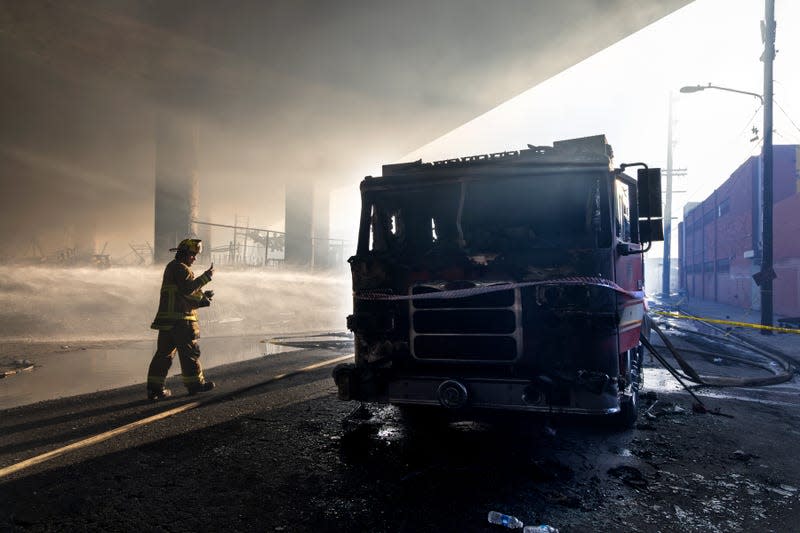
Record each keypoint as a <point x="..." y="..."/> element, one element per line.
<point x="785" y="374"/>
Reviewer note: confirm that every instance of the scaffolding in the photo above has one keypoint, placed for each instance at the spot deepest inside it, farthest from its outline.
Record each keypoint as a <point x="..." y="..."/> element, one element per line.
<point x="251" y="247"/>
<point x="143" y="253"/>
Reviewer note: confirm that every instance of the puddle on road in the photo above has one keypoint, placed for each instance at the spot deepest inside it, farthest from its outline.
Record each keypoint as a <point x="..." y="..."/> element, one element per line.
<point x="390" y="433"/>
<point x="660" y="380"/>
<point x="621" y="452"/>
<point x="69" y="373"/>
<point x="784" y="394"/>
<point x="764" y="396"/>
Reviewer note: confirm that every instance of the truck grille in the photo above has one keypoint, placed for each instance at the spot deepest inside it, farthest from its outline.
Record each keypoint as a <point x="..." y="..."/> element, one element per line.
<point x="479" y="328"/>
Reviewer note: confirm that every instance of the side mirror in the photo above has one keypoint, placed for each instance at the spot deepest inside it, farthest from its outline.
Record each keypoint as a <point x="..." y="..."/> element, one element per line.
<point x="649" y="204"/>
<point x="651" y="230"/>
<point x="649" y="185"/>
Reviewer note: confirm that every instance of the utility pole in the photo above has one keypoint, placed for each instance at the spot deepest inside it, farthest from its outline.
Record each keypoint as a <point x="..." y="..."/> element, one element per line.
<point x="665" y="270"/>
<point x="767" y="274"/>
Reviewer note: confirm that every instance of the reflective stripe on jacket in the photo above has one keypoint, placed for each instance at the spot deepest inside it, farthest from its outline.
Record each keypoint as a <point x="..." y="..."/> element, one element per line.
<point x="180" y="295"/>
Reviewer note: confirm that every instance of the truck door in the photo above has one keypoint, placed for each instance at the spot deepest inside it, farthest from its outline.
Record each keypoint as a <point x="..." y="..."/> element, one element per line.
<point x="628" y="267"/>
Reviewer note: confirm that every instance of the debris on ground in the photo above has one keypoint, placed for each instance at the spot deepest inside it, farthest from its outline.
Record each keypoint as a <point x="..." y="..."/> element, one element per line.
<point x="649" y="395"/>
<point x="741" y="455"/>
<point x="663" y="409"/>
<point x="500" y="519"/>
<point x="559" y="498"/>
<point x="17" y="366"/>
<point x="629" y="475"/>
<point x="541" y="528"/>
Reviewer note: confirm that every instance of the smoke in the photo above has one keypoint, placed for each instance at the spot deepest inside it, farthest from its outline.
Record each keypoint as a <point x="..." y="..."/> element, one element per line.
<point x="281" y="91"/>
<point x="84" y="304"/>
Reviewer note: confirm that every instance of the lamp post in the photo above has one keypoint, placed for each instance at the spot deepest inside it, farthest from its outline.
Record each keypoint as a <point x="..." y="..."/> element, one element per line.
<point x="665" y="266"/>
<point x="764" y="277"/>
<point x="698" y="88"/>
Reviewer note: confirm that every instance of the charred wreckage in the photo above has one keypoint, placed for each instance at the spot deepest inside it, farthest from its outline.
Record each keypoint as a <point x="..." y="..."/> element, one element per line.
<point x="509" y="281"/>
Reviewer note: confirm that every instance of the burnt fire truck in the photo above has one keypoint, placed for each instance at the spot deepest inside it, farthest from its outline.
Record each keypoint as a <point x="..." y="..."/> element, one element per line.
<point x="507" y="281"/>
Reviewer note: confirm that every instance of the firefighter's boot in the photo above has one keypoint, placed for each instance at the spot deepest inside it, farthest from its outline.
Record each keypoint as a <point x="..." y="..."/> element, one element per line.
<point x="201" y="387"/>
<point x="158" y="394"/>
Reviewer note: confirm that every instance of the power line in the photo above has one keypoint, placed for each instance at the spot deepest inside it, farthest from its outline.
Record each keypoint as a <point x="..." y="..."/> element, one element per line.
<point x="748" y="156"/>
<point x="749" y="122"/>
<point x="782" y="136"/>
<point x="731" y="141"/>
<point x="786" y="115"/>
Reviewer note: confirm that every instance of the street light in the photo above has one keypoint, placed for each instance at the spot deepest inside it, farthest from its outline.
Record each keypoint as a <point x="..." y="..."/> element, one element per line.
<point x="698" y="88"/>
<point x="764" y="277"/>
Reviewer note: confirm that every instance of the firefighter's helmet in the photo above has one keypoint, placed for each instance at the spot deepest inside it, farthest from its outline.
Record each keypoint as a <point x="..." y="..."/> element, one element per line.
<point x="192" y="246"/>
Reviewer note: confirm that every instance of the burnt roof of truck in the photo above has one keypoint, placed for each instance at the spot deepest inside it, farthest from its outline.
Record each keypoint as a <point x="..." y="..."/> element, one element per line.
<point x="564" y="156"/>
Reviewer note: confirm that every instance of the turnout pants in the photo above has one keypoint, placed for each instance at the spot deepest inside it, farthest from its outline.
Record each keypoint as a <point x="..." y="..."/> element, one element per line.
<point x="182" y="337"/>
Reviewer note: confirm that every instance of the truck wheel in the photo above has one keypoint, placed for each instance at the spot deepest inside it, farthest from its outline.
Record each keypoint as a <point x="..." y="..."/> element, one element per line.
<point x="629" y="412"/>
<point x="629" y="406"/>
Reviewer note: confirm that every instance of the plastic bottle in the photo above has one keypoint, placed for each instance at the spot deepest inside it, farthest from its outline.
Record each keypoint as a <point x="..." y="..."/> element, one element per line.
<point x="504" y="520"/>
<point x="543" y="528"/>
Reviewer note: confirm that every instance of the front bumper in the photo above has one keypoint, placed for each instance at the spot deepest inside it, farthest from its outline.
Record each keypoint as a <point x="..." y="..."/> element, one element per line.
<point x="538" y="396"/>
<point x="512" y="395"/>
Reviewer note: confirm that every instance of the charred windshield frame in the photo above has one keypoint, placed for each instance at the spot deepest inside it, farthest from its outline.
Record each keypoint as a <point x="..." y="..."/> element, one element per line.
<point x="506" y="215"/>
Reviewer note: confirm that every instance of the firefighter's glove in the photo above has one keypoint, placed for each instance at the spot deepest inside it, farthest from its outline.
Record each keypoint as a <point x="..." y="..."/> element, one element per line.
<point x="208" y="294"/>
<point x="210" y="272"/>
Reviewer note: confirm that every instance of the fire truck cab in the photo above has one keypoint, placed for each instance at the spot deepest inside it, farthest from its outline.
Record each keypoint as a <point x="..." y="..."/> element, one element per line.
<point x="508" y="281"/>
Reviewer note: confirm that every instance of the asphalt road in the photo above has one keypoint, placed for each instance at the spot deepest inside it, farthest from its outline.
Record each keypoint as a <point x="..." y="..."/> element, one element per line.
<point x="276" y="456"/>
<point x="263" y="383"/>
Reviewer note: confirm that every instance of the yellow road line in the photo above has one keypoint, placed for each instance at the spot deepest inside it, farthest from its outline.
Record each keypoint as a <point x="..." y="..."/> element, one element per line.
<point x="144" y="421"/>
<point x="314" y="366"/>
<point x="729" y="322"/>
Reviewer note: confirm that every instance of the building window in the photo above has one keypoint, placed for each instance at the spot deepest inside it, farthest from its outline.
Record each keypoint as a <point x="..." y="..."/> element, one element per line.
<point x="696" y="268"/>
<point x="724" y="207"/>
<point x="723" y="265"/>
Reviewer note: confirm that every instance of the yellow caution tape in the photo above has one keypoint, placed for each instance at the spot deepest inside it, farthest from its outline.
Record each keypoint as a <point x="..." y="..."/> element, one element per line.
<point x="729" y="322"/>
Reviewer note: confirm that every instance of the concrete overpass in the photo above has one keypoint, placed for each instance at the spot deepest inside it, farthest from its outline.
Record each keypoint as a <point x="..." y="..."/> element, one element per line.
<point x="245" y="96"/>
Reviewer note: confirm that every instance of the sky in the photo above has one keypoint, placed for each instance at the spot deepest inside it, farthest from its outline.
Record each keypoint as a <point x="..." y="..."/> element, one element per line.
<point x="624" y="92"/>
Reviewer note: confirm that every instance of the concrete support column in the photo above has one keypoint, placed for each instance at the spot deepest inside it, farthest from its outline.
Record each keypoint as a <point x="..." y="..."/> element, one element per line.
<point x="299" y="224"/>
<point x="322" y="229"/>
<point x="176" y="194"/>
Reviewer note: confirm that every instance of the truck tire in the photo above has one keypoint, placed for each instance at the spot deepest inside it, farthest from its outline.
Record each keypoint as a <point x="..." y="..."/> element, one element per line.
<point x="628" y="413"/>
<point x="629" y="405"/>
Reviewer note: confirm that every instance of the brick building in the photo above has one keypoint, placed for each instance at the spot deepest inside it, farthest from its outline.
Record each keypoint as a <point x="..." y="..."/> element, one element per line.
<point x="720" y="237"/>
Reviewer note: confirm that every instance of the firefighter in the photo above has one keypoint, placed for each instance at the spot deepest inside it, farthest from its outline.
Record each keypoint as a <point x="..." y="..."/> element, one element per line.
<point x="176" y="322"/>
